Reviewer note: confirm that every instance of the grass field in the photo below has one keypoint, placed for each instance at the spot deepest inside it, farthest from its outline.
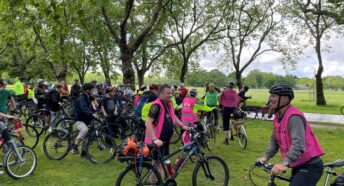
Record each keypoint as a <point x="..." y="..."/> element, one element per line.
<point x="303" y="100"/>
<point x="74" y="170"/>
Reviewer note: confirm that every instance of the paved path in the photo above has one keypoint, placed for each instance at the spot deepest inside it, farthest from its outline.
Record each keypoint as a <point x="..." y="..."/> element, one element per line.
<point x="328" y="118"/>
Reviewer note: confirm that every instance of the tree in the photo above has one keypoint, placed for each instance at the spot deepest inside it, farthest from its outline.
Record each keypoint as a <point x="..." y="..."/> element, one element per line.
<point x="123" y="32"/>
<point x="194" y="23"/>
<point x="317" y="25"/>
<point x="248" y="27"/>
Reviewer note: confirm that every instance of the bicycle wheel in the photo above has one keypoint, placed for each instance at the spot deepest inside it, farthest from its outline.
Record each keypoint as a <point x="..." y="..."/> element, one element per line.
<point x="211" y="137"/>
<point x="36" y="122"/>
<point x="258" y="176"/>
<point x="56" y="145"/>
<point x="177" y="134"/>
<point x="342" y="110"/>
<point x="30" y="136"/>
<point x="5" y="147"/>
<point x="242" y="137"/>
<point x="149" y="176"/>
<point x="100" y="148"/>
<point x="20" y="165"/>
<point x="212" y="171"/>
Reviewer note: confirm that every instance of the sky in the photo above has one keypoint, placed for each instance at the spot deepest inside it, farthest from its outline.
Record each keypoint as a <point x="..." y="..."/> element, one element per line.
<point x="333" y="61"/>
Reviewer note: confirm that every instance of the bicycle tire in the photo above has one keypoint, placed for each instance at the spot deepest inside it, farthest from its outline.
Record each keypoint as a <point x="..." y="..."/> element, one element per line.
<point x="36" y="122"/>
<point x="31" y="137"/>
<point x="342" y="110"/>
<point x="105" y="144"/>
<point x="5" y="147"/>
<point x="211" y="135"/>
<point x="242" y="137"/>
<point x="13" y="172"/>
<point x="131" y="169"/>
<point x="68" y="122"/>
<point x="61" y="144"/>
<point x="257" y="176"/>
<point x="222" y="174"/>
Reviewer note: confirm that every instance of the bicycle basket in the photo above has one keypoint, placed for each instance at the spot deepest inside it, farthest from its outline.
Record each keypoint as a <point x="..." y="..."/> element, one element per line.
<point x="130" y="147"/>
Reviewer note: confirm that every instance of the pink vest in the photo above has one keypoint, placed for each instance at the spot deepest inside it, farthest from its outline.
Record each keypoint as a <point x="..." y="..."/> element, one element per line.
<point x="229" y="98"/>
<point x="188" y="116"/>
<point x="158" y="128"/>
<point x="282" y="135"/>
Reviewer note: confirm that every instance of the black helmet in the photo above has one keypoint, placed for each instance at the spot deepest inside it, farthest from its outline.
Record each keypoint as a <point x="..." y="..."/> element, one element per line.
<point x="193" y="92"/>
<point x="87" y="86"/>
<point x="282" y="90"/>
<point x="230" y="84"/>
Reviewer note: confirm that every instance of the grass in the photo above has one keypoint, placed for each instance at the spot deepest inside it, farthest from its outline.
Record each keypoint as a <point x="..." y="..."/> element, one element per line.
<point x="303" y="100"/>
<point x="74" y="170"/>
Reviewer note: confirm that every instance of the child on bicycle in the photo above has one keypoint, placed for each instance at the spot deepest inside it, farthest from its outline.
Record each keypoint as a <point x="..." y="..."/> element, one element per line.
<point x="5" y="134"/>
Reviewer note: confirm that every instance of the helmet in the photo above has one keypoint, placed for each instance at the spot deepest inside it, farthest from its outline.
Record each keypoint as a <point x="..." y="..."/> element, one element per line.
<point x="230" y="84"/>
<point x="140" y="92"/>
<point x="193" y="92"/>
<point x="143" y="87"/>
<point x="87" y="86"/>
<point x="282" y="90"/>
<point x="246" y="87"/>
<point x="109" y="89"/>
<point x="153" y="87"/>
<point x="181" y="84"/>
<point x="39" y="81"/>
<point x="211" y="85"/>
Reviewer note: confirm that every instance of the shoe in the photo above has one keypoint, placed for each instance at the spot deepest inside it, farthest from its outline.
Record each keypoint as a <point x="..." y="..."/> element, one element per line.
<point x="83" y="154"/>
<point x="225" y="142"/>
<point x="232" y="139"/>
<point x="1" y="172"/>
<point x="75" y="150"/>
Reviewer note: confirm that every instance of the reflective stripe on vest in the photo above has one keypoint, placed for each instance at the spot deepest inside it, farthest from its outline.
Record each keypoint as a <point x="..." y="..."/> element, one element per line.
<point x="282" y="135"/>
<point x="158" y="128"/>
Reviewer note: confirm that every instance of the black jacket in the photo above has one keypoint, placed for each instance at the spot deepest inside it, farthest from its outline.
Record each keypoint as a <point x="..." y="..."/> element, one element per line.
<point x="75" y="91"/>
<point x="53" y="99"/>
<point x="83" y="108"/>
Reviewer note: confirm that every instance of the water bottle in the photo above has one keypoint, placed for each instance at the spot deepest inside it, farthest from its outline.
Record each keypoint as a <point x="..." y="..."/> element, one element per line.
<point x="179" y="161"/>
<point x="169" y="167"/>
<point x="2" y="140"/>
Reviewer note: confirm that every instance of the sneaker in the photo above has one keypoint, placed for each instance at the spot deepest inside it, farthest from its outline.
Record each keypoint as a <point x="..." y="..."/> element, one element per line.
<point x="83" y="154"/>
<point x="225" y="142"/>
<point x="75" y="151"/>
<point x="232" y="139"/>
<point x="1" y="172"/>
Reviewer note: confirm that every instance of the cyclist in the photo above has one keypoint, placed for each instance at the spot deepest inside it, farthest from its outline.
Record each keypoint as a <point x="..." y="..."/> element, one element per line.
<point x="229" y="101"/>
<point x="293" y="135"/>
<point x="75" y="90"/>
<point x="30" y="91"/>
<point x="210" y="100"/>
<point x="183" y="91"/>
<point x="53" y="103"/>
<point x="190" y="107"/>
<point x="19" y="87"/>
<point x="83" y="114"/>
<point x="160" y="121"/>
<point x="5" y="98"/>
<point x="109" y="107"/>
<point x="5" y="134"/>
<point x="65" y="90"/>
<point x="242" y="93"/>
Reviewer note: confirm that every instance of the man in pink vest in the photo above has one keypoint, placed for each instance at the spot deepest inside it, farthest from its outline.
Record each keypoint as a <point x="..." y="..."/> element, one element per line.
<point x="229" y="101"/>
<point x="294" y="137"/>
<point x="160" y="121"/>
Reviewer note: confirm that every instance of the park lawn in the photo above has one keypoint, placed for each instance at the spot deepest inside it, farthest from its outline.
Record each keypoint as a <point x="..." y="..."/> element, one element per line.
<point x="303" y="100"/>
<point x="79" y="171"/>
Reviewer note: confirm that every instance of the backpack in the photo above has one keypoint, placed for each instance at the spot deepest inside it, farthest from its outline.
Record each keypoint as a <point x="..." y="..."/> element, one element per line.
<point x="138" y="109"/>
<point x="130" y="147"/>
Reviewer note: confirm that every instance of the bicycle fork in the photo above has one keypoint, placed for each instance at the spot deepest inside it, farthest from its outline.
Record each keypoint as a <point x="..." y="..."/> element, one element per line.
<point x="206" y="170"/>
<point x="14" y="146"/>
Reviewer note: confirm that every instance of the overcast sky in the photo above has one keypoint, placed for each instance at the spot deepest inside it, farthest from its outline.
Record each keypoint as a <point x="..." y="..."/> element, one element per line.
<point x="333" y="61"/>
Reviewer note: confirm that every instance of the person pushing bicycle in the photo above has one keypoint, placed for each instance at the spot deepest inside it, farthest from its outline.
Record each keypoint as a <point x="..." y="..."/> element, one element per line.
<point x="293" y="135"/>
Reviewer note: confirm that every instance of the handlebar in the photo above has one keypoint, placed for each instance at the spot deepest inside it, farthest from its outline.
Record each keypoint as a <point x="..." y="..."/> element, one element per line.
<point x="265" y="165"/>
<point x="337" y="163"/>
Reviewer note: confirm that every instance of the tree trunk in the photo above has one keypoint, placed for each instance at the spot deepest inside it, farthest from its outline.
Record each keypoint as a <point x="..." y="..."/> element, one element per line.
<point x="107" y="77"/>
<point x="62" y="74"/>
<point x="238" y="77"/>
<point x="319" y="83"/>
<point x="184" y="70"/>
<point x="140" y="77"/>
<point x="127" y="68"/>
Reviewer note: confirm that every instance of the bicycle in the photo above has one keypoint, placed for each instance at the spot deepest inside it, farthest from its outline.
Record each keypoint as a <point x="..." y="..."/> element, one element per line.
<point x="237" y="123"/>
<point x="251" y="112"/>
<point x="211" y="131"/>
<point x="204" y="171"/>
<point x="38" y="121"/>
<point x="30" y="137"/>
<point x="98" y="146"/>
<point x="19" y="161"/>
<point x="266" y="167"/>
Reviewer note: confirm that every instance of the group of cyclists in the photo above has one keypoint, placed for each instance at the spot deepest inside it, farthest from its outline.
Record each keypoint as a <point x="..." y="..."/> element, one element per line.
<point x="156" y="106"/>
